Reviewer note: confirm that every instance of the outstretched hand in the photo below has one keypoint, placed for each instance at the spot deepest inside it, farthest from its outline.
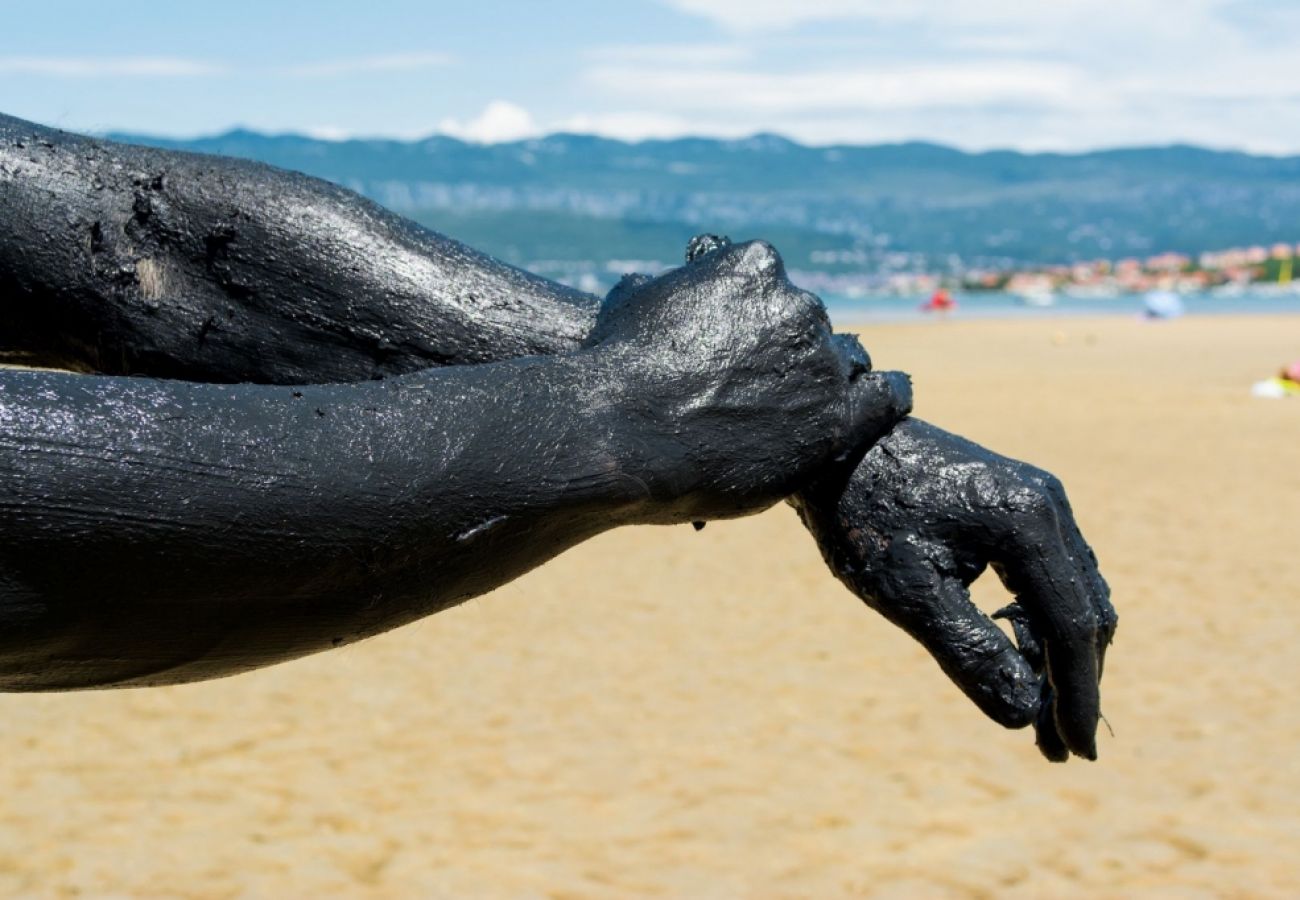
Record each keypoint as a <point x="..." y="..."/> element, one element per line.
<point x="919" y="519"/>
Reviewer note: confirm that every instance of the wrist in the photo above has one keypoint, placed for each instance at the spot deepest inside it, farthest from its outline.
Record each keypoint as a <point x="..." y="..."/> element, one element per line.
<point x="642" y="409"/>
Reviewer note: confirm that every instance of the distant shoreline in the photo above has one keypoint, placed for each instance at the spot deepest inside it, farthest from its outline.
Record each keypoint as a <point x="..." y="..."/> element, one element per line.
<point x="993" y="305"/>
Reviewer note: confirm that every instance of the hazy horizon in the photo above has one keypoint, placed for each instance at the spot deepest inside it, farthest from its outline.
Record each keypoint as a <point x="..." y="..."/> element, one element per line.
<point x="239" y="128"/>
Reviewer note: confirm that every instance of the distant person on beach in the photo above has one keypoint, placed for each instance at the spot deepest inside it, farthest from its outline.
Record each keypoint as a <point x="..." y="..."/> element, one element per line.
<point x="1285" y="384"/>
<point x="940" y="302"/>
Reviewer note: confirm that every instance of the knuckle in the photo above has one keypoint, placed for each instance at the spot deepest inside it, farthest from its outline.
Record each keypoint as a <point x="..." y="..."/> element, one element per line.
<point x="759" y="257"/>
<point x="1040" y="479"/>
<point x="1037" y="495"/>
<point x="1032" y="504"/>
<point x="1052" y="486"/>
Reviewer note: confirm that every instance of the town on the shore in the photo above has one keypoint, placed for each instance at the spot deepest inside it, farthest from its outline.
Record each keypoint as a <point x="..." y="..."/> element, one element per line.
<point x="1237" y="269"/>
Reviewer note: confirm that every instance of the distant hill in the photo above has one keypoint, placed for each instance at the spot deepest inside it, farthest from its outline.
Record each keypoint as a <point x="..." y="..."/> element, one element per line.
<point x="573" y="201"/>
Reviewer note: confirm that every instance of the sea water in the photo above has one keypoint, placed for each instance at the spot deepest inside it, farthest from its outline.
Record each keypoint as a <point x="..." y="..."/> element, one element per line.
<point x="998" y="305"/>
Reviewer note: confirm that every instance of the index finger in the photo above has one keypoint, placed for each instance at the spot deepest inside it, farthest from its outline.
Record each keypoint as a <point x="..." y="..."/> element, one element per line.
<point x="1086" y="563"/>
<point x="935" y="608"/>
<point x="1055" y="590"/>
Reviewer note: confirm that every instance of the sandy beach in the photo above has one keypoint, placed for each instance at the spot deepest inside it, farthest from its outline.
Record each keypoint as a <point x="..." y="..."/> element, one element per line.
<point x="665" y="713"/>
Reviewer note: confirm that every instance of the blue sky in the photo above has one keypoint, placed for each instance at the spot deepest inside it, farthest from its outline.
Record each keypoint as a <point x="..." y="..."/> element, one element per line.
<point x="1073" y="74"/>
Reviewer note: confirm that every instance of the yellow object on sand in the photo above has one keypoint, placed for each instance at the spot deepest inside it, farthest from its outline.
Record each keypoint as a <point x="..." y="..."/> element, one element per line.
<point x="1276" y="387"/>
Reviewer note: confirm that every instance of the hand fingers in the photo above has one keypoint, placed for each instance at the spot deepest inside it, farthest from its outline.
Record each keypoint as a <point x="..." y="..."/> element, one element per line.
<point x="1089" y="574"/>
<point x="1046" y="735"/>
<point x="936" y="609"/>
<point x="1031" y="648"/>
<point x="1086" y="564"/>
<point x="1098" y="590"/>
<point x="1059" y="600"/>
<point x="1072" y="670"/>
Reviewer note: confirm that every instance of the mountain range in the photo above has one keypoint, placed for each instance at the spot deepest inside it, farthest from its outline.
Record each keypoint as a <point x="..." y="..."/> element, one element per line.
<point x="566" y="202"/>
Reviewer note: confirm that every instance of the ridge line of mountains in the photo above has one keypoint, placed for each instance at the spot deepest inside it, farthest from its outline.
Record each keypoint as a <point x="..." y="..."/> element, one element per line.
<point x="566" y="204"/>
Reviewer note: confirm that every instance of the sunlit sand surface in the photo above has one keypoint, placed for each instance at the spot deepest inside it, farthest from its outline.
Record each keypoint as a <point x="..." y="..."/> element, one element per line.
<point x="661" y="712"/>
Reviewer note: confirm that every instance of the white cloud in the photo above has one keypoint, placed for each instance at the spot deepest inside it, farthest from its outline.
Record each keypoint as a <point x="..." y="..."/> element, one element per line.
<point x="979" y="103"/>
<point x="502" y="121"/>
<point x="755" y="15"/>
<point x="393" y="62"/>
<point x="846" y="89"/>
<point x="671" y="54"/>
<point x="1066" y="74"/>
<point x="499" y="121"/>
<point x="747" y="16"/>
<point x="103" y="66"/>
<point x="327" y="133"/>
<point x="976" y="103"/>
<point x="178" y="67"/>
<point x="628" y="126"/>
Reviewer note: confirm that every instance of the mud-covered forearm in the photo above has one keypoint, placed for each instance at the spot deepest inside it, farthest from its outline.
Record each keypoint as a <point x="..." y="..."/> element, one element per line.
<point x="158" y="532"/>
<point x="126" y="260"/>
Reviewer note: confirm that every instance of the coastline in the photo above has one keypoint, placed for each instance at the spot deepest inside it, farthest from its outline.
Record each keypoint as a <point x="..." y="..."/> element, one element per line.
<point x="1000" y="305"/>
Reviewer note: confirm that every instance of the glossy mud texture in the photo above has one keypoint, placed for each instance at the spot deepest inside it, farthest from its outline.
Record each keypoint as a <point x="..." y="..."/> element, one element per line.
<point x="128" y="260"/>
<point x="919" y="519"/>
<point x="217" y="528"/>
<point x="165" y="531"/>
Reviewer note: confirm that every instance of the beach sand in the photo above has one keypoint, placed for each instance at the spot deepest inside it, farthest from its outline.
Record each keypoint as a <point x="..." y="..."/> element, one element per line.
<point x="661" y="712"/>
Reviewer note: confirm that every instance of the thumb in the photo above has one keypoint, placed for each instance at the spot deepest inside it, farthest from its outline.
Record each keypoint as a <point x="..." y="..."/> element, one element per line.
<point x="876" y="402"/>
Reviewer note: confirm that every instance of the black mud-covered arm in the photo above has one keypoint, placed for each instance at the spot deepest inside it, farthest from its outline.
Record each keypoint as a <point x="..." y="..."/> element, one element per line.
<point x="163" y="531"/>
<point x="158" y="531"/>
<point x="129" y="260"/>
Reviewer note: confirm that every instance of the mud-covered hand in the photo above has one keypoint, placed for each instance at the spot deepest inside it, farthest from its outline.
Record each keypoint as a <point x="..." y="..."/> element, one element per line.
<point x="919" y="519"/>
<point x="733" y="386"/>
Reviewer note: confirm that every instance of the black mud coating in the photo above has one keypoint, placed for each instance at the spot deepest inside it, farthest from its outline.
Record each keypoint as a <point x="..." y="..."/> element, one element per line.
<point x="920" y="518"/>
<point x="129" y="260"/>
<point x="478" y="421"/>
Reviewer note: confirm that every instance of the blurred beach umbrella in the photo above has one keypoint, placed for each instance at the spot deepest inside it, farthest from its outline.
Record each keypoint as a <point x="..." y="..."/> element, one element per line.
<point x="1163" y="305"/>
